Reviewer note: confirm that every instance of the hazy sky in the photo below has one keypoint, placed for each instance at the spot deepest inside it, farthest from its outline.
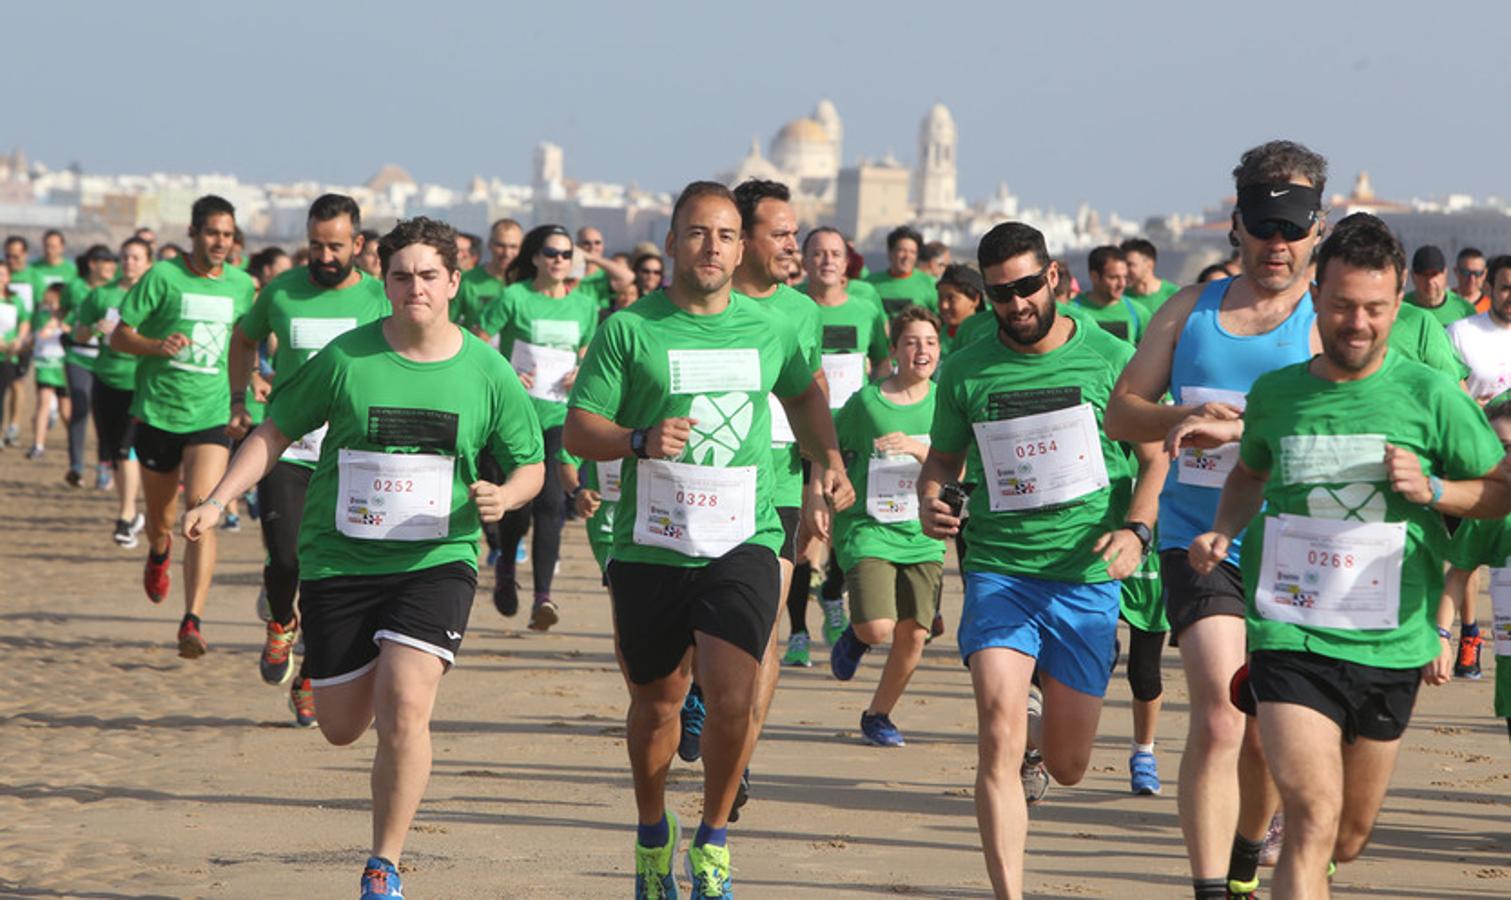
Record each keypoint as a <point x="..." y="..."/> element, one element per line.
<point x="1136" y="107"/>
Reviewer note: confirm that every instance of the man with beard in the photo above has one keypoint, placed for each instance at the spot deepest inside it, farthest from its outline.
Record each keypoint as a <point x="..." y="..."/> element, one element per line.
<point x="302" y="310"/>
<point x="1055" y="524"/>
<point x="1205" y="346"/>
<point x="1349" y="461"/>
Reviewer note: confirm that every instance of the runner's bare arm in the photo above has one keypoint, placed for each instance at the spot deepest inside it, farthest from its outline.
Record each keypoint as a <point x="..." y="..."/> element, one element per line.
<point x="1134" y="412"/>
<point x="239" y="363"/>
<point x="125" y="339"/>
<point x="1455" y="585"/>
<point x="1121" y="548"/>
<point x="592" y="436"/>
<point x="1242" y="497"/>
<point x="613" y="268"/>
<point x="813" y="425"/>
<point x="256" y="457"/>
<point x="1485" y="497"/>
<point x="934" y="514"/>
<point x="493" y="500"/>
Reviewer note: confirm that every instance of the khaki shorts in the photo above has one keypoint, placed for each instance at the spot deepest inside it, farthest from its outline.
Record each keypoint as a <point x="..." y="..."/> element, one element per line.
<point x="886" y="590"/>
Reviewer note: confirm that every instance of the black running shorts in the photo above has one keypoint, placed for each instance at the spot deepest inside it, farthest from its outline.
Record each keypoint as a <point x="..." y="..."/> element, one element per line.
<point x="162" y="451"/>
<point x="1364" y="701"/>
<point x="1190" y="597"/>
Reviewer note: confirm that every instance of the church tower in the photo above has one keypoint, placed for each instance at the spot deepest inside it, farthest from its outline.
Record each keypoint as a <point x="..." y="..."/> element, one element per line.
<point x="935" y="173"/>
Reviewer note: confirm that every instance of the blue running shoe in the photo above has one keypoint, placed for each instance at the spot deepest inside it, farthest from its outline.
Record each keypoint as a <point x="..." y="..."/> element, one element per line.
<point x="1143" y="770"/>
<point x="655" y="867"/>
<point x="380" y="879"/>
<point x="844" y="656"/>
<point x="690" y="748"/>
<point x="521" y="553"/>
<point x="879" y="730"/>
<point x="708" y="870"/>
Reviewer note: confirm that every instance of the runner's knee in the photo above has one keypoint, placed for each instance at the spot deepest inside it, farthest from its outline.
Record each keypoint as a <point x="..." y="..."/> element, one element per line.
<point x="878" y="631"/>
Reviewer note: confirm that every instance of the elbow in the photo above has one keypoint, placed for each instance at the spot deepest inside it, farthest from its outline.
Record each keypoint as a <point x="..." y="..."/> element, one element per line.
<point x="1113" y="422"/>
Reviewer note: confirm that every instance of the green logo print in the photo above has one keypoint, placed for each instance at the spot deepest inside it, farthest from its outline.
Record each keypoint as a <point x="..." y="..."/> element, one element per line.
<point x="723" y="425"/>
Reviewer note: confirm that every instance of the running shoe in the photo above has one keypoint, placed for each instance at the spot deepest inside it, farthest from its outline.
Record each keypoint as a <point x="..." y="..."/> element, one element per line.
<point x="302" y="703"/>
<point x="1143" y="774"/>
<point x="845" y="655"/>
<point x="879" y="730"/>
<point x="232" y="523"/>
<point x="35" y="452"/>
<point x="505" y="591"/>
<point x="835" y="620"/>
<point x="1468" y="664"/>
<point x="102" y="480"/>
<point x="708" y="870"/>
<point x="12" y="435"/>
<point x="124" y="537"/>
<point x="690" y="748"/>
<point x="264" y="608"/>
<point x="1274" y="836"/>
<point x="543" y="614"/>
<point x="1035" y="777"/>
<point x="277" y="663"/>
<point x="156" y="579"/>
<point x="1243" y="890"/>
<point x="52" y="419"/>
<point x="521" y="553"/>
<point x="655" y="867"/>
<point x="191" y="644"/>
<point x="74" y="478"/>
<point x="742" y="796"/>
<point x="380" y="879"/>
<point x="797" y="651"/>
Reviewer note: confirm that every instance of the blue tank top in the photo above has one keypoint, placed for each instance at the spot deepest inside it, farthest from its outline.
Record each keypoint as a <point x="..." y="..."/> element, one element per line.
<point x="1209" y="357"/>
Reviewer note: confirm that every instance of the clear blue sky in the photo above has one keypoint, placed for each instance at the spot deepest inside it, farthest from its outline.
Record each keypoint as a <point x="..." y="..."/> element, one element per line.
<point x="1136" y="107"/>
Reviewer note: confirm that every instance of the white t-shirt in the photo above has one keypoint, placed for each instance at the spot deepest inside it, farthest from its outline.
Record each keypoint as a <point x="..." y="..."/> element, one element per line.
<point x="1484" y="344"/>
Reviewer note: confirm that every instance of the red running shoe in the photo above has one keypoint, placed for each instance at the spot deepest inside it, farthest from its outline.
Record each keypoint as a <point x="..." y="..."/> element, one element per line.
<point x="155" y="578"/>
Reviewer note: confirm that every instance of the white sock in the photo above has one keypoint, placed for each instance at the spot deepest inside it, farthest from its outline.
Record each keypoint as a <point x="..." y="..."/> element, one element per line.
<point x="1143" y="748"/>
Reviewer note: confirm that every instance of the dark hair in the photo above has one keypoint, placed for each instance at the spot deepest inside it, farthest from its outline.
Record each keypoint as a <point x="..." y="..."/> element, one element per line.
<point x="1218" y="269"/>
<point x="1279" y="161"/>
<point x="1008" y="240"/>
<point x="825" y="229"/>
<point x="1101" y="256"/>
<point x="329" y="206"/>
<point x="522" y="268"/>
<point x="932" y="251"/>
<point x="135" y="241"/>
<point x="169" y="246"/>
<point x="1500" y="407"/>
<point x="1141" y="247"/>
<point x="53" y="232"/>
<point x="18" y="239"/>
<point x="751" y="192"/>
<point x="912" y="313"/>
<point x="1493" y="267"/>
<point x="473" y="241"/>
<point x="370" y="236"/>
<point x="263" y="259"/>
<point x="635" y="266"/>
<point x="964" y="279"/>
<point x="697" y="190"/>
<point x="903" y="233"/>
<point x="420" y="230"/>
<point x="207" y="206"/>
<point x="1065" y="286"/>
<point x="1364" y="242"/>
<point x="1469" y="253"/>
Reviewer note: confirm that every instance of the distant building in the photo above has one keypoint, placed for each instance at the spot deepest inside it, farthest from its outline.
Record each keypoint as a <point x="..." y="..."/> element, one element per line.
<point x="871" y="199"/>
<point x="935" y="169"/>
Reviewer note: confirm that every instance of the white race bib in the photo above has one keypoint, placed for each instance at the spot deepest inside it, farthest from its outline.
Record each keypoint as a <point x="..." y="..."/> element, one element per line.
<point x="781" y="427"/>
<point x="548" y="366"/>
<point x="1042" y="459"/>
<point x="1331" y="574"/>
<point x="394" y="496"/>
<point x="892" y="488"/>
<point x="608" y="480"/>
<point x="714" y="371"/>
<point x="10" y="317"/>
<point x="23" y="292"/>
<point x="846" y="373"/>
<point x="307" y="448"/>
<point x="1500" y="599"/>
<point x="311" y="335"/>
<point x="1208" y="468"/>
<point x="51" y="347"/>
<point x="701" y="511"/>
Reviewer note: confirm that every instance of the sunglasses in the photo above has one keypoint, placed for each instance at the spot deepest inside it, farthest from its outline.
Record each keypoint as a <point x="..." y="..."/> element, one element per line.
<point x="1270" y="227"/>
<point x="1026" y="286"/>
<point x="552" y="253"/>
<point x="1472" y="273"/>
<point x="649" y="271"/>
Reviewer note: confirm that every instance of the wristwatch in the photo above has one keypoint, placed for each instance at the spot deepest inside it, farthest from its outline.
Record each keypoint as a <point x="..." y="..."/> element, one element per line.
<point x="1142" y="532"/>
<point x="637" y="442"/>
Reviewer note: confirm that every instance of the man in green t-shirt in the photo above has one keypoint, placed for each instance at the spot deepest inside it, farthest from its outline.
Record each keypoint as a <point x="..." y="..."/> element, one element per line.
<point x="1106" y="302"/>
<point x="1055" y="524"/>
<point x="178" y="318"/>
<point x="1145" y="287"/>
<point x="675" y="385"/>
<point x="1429" y="277"/>
<point x="388" y="548"/>
<point x="601" y="271"/>
<point x="302" y="309"/>
<point x="1346" y="466"/>
<point x="483" y="284"/>
<point x="902" y="284"/>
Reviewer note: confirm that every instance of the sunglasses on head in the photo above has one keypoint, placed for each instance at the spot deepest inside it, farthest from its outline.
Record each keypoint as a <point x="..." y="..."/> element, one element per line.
<point x="1026" y="286"/>
<point x="552" y="253"/>
<point x="1270" y="227"/>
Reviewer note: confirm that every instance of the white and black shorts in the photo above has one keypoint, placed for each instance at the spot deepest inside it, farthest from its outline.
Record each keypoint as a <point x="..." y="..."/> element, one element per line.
<point x="345" y="618"/>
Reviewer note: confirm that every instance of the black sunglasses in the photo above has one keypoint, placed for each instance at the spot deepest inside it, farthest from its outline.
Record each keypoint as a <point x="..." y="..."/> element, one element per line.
<point x="649" y="271"/>
<point x="1270" y="227"/>
<point x="1026" y="286"/>
<point x="552" y="253"/>
<point x="1472" y="273"/>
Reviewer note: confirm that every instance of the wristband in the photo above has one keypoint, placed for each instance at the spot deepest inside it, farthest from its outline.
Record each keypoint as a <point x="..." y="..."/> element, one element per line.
<point x="239" y="397"/>
<point x="215" y="503"/>
<point x="1436" y="484"/>
<point x="1142" y="532"/>
<point x="1444" y="633"/>
<point x="637" y="442"/>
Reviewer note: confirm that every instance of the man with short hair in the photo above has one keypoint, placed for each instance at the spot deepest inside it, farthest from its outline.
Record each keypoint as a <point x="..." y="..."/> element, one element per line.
<point x="934" y="258"/>
<point x="675" y="385"/>
<point x="368" y="260"/>
<point x="1106" y="302"/>
<point x="485" y="283"/>
<point x="53" y="267"/>
<point x="1048" y="540"/>
<point x="304" y="309"/>
<point x="147" y="236"/>
<point x="1469" y="267"/>
<point x="1205" y="347"/>
<point x="467" y="247"/>
<point x="1145" y="287"/>
<point x="179" y="317"/>
<point x="1483" y="341"/>
<point x="1347" y="463"/>
<point x="600" y="270"/>
<point x="900" y="283"/>
<point x="1429" y="277"/>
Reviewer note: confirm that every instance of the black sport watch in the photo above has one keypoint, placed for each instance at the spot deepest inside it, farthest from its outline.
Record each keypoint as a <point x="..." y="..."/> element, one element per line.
<point x="637" y="442"/>
<point x="1142" y="532"/>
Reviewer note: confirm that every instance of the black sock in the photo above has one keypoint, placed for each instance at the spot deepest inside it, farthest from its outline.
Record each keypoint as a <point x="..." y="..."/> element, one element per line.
<point x="1244" y="863"/>
<point x="1210" y="888"/>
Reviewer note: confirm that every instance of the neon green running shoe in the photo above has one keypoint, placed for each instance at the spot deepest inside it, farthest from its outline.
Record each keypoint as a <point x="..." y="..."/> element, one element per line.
<point x="708" y="870"/>
<point x="1242" y="890"/>
<point x="835" y="620"/>
<point x="653" y="866"/>
<point x="797" y="651"/>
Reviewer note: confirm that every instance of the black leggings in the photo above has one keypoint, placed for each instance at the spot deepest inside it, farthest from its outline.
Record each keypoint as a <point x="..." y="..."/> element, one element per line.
<point x="280" y="498"/>
<point x="548" y="513"/>
<point x="1144" y="649"/>
<point x="113" y="424"/>
<point x="832" y="588"/>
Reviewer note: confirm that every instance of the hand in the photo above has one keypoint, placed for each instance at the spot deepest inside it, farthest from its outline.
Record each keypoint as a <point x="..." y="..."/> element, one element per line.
<point x="1122" y="551"/>
<point x="1440" y="670"/>
<point x="568" y="380"/>
<point x="241" y="421"/>
<point x="201" y="520"/>
<point x="587" y="502"/>
<point x="1406" y="475"/>
<point x="897" y="444"/>
<point x="527" y="379"/>
<point x="1207" y="550"/>
<point x="489" y="499"/>
<point x="1202" y="433"/>
<point x="172" y="345"/>
<point x="937" y="520"/>
<point x="816" y="513"/>
<point x="1214" y="409"/>
<point x="836" y="489"/>
<point x="668" y="437"/>
<point x="260" y="387"/>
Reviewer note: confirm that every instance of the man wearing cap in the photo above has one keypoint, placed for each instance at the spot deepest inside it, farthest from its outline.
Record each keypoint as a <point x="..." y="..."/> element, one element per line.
<point x="1206" y="346"/>
<point x="1429" y="275"/>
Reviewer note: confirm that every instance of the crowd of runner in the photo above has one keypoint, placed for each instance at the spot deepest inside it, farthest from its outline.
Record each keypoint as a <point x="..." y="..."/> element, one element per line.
<point x="1293" y="468"/>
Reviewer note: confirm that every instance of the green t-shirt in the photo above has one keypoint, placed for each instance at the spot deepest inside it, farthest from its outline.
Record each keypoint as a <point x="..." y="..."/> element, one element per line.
<point x="987" y="382"/>
<point x="524" y="315"/>
<point x="896" y="293"/>
<point x="1152" y="302"/>
<point x="392" y="411"/>
<point x="25" y="292"/>
<point x="857" y="325"/>
<point x="1322" y="444"/>
<point x="42" y="275"/>
<point x="652" y="360"/>
<point x="13" y="311"/>
<point x="598" y="287"/>
<point x="190" y="391"/>
<point x="478" y="290"/>
<point x="1122" y="318"/>
<point x="1449" y="311"/>
<point x="859" y="531"/>
<point x="786" y="459"/>
<point x="83" y="355"/>
<point x="1419" y="336"/>
<point x="602" y="477"/>
<point x="103" y="304"/>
